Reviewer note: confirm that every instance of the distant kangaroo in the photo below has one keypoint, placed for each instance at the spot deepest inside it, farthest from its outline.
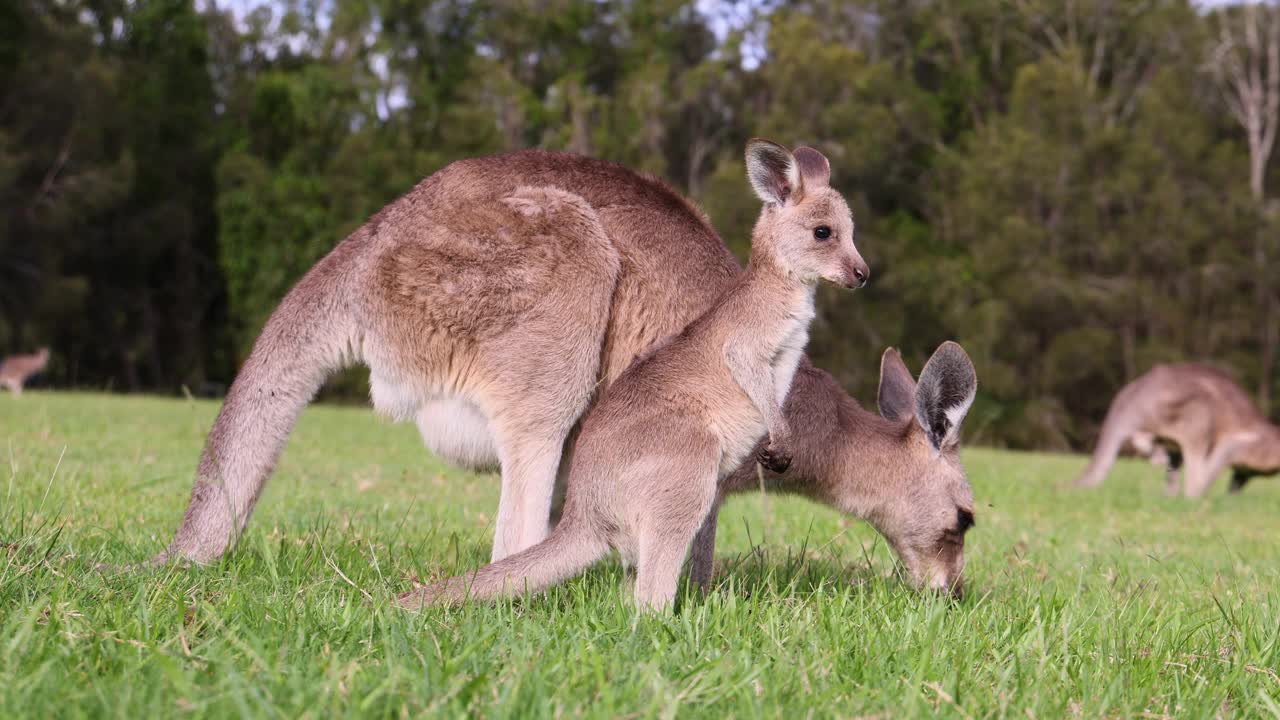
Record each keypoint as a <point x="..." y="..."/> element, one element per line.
<point x="647" y="463"/>
<point x="1194" y="418"/>
<point x="494" y="329"/>
<point x="16" y="370"/>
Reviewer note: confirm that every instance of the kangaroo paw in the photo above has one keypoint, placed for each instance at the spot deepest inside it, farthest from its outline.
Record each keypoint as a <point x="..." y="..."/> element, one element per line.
<point x="774" y="459"/>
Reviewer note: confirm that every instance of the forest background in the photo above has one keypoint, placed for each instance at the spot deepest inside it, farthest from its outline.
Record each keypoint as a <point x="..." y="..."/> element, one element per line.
<point x="1075" y="190"/>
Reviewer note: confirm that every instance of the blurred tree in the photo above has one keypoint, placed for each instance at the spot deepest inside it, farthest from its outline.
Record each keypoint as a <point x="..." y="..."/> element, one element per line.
<point x="1058" y="184"/>
<point x="1246" y="67"/>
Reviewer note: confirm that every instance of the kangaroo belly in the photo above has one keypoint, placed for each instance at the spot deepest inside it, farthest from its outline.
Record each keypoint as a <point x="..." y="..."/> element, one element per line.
<point x="457" y="431"/>
<point x="392" y="396"/>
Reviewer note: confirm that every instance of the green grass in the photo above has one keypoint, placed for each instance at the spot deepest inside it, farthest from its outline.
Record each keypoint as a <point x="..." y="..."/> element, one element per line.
<point x="1116" y="603"/>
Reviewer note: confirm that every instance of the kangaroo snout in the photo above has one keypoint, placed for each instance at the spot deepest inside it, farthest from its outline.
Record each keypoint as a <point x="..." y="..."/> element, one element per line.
<point x="944" y="579"/>
<point x="954" y="590"/>
<point x="856" y="273"/>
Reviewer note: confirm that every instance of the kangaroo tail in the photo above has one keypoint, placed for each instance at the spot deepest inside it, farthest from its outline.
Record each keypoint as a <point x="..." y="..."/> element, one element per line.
<point x="571" y="548"/>
<point x="310" y="335"/>
<point x="1121" y="422"/>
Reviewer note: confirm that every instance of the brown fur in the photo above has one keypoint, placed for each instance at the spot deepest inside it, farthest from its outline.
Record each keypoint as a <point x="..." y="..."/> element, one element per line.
<point x="648" y="460"/>
<point x="1196" y="419"/>
<point x="16" y="370"/>
<point x="883" y="468"/>
<point x="665" y="267"/>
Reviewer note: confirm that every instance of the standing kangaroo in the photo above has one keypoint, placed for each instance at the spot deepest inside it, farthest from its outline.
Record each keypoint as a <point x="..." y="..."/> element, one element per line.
<point x="16" y="370"/>
<point x="1195" y="419"/>
<point x="649" y="457"/>
<point x="493" y="324"/>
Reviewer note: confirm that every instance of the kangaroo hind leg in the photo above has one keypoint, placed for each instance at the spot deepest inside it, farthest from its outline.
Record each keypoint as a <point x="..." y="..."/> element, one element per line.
<point x="546" y="379"/>
<point x="529" y="456"/>
<point x="681" y="497"/>
<point x="1196" y="469"/>
<point x="1217" y="461"/>
<point x="544" y="370"/>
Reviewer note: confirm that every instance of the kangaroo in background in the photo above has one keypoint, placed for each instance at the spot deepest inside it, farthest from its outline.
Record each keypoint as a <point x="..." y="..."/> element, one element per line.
<point x="493" y="329"/>
<point x="16" y="370"/>
<point x="1195" y="419"/>
<point x="649" y="457"/>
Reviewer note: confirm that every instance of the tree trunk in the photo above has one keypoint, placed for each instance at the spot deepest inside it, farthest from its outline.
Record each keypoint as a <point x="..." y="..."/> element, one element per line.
<point x="1246" y="65"/>
<point x="1270" y="341"/>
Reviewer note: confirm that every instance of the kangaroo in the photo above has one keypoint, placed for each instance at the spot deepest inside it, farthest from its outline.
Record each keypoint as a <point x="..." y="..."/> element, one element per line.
<point x="1193" y="419"/>
<point x="404" y="293"/>
<point x="650" y="454"/>
<point x="899" y="470"/>
<point x="16" y="370"/>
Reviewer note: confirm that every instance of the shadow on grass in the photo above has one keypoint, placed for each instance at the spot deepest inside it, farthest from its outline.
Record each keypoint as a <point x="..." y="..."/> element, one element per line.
<point x="788" y="571"/>
<point x="761" y="573"/>
<point x="370" y="564"/>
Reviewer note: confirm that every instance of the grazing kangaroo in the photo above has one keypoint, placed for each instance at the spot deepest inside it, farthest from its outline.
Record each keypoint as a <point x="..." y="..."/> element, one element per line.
<point x="647" y="462"/>
<point x="16" y="370"/>
<point x="899" y="470"/>
<point x="1195" y="419"/>
<point x="494" y="329"/>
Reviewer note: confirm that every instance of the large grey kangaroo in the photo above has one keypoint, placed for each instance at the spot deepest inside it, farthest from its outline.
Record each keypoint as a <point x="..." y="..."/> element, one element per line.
<point x="493" y="324"/>
<point x="1195" y="419"/>
<point x="651" y="453"/>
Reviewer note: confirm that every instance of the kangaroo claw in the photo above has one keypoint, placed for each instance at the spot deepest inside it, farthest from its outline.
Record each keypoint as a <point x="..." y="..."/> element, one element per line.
<point x="773" y="459"/>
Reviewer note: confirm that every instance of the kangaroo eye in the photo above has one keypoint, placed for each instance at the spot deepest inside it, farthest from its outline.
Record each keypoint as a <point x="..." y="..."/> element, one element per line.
<point x="822" y="232"/>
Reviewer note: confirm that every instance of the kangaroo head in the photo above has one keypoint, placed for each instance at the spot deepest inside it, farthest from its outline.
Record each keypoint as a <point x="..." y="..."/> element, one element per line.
<point x="926" y="518"/>
<point x="805" y="227"/>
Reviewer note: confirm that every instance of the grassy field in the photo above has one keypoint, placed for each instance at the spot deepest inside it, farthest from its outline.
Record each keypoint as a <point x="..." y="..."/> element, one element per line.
<point x="1113" y="603"/>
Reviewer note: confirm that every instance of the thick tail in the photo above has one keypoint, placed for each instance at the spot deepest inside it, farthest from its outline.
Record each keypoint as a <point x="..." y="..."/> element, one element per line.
<point x="571" y="548"/>
<point x="1122" y="421"/>
<point x="309" y="336"/>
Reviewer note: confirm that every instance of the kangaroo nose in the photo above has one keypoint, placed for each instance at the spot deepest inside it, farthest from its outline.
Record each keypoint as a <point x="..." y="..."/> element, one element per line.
<point x="861" y="273"/>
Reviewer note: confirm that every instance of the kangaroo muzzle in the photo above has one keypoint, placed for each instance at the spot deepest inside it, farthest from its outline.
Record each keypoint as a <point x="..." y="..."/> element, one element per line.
<point x="855" y="273"/>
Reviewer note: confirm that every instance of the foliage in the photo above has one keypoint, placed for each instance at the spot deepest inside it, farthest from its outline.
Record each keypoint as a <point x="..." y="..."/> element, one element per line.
<point x="1060" y="186"/>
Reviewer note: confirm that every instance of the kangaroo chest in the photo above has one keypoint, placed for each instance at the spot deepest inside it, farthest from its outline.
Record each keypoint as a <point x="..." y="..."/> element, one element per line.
<point x="795" y="337"/>
<point x="778" y="347"/>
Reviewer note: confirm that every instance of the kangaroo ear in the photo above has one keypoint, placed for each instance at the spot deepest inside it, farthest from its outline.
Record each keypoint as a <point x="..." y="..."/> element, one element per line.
<point x="947" y="387"/>
<point x="815" y="169"/>
<point x="773" y="171"/>
<point x="897" y="388"/>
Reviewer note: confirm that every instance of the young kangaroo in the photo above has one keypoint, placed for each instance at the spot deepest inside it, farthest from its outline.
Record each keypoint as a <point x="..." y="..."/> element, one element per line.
<point x="496" y="330"/>
<point x="16" y="370"/>
<point x="646" y="465"/>
<point x="1193" y="418"/>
